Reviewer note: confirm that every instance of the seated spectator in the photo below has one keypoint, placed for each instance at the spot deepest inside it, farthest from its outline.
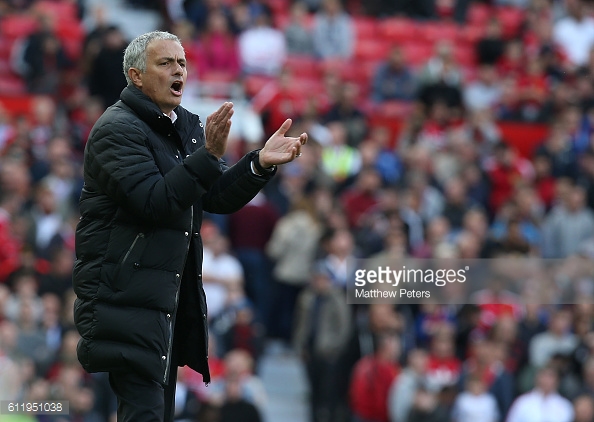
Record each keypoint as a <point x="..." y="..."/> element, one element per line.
<point x="339" y="160"/>
<point x="297" y="33"/>
<point x="575" y="33"/>
<point x="333" y="32"/>
<point x="490" y="48"/>
<point x="339" y="252"/>
<point x="558" y="339"/>
<point x="362" y="196"/>
<point x="583" y="408"/>
<point x="558" y="149"/>
<point x="262" y="48"/>
<point x="542" y="402"/>
<point x="444" y="368"/>
<point x="43" y="59"/>
<point x="235" y="407"/>
<point x="567" y="225"/>
<point x="485" y="91"/>
<point x="393" y="79"/>
<point x="346" y="110"/>
<point x="217" y="49"/>
<point x="475" y="401"/>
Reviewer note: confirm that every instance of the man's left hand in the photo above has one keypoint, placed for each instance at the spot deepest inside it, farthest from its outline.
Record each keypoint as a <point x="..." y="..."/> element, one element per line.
<point x="281" y="149"/>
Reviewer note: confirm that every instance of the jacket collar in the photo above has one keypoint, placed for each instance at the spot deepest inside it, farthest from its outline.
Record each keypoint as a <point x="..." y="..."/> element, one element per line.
<point x="148" y="111"/>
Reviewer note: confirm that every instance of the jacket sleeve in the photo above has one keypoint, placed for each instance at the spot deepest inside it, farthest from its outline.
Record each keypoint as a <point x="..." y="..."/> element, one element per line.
<point x="235" y="188"/>
<point x="119" y="161"/>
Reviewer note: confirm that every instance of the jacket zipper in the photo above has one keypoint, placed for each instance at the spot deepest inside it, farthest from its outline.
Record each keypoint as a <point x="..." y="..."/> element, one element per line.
<point x="138" y="236"/>
<point x="169" y="344"/>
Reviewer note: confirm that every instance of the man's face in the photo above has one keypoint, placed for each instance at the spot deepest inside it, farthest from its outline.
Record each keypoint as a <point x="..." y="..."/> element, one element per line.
<point x="165" y="74"/>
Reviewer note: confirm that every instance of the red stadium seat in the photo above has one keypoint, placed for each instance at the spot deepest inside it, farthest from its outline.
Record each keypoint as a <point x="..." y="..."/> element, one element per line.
<point x="371" y="50"/>
<point x="254" y="84"/>
<point x="433" y="32"/>
<point x="365" y="28"/>
<point x="17" y="26"/>
<point x="59" y="10"/>
<point x="478" y="13"/>
<point x="398" y="30"/>
<point x="303" y="66"/>
<point x="16" y="104"/>
<point x="511" y="19"/>
<point x="471" y="34"/>
<point x="417" y="53"/>
<point x="12" y="85"/>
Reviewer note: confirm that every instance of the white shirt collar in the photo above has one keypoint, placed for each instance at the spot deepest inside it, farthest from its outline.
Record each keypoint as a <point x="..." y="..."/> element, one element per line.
<point x="172" y="116"/>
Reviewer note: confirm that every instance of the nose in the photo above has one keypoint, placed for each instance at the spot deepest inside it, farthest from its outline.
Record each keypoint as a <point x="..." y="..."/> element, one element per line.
<point x="178" y="70"/>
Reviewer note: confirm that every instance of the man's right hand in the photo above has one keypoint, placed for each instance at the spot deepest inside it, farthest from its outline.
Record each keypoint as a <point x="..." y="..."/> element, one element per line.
<point x="218" y="125"/>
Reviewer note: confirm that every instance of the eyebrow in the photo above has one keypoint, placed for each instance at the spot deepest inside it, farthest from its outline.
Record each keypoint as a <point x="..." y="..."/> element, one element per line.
<point x="171" y="59"/>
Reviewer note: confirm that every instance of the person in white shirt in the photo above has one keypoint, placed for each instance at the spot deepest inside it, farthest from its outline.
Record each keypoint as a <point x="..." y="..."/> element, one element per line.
<point x="262" y="48"/>
<point x="543" y="403"/>
<point x="575" y="33"/>
<point x="475" y="403"/>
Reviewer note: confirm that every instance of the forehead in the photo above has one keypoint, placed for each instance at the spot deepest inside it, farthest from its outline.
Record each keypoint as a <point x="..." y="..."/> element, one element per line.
<point x="165" y="48"/>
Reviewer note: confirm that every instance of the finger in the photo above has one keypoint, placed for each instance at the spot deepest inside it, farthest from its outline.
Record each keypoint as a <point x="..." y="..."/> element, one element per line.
<point x="284" y="127"/>
<point x="225" y="109"/>
<point x="303" y="138"/>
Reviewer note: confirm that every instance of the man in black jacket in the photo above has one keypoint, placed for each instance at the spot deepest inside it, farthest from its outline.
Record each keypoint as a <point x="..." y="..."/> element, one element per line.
<point x="150" y="169"/>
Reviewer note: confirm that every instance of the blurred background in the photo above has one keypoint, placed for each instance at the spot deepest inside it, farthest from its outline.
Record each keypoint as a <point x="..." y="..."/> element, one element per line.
<point x="438" y="128"/>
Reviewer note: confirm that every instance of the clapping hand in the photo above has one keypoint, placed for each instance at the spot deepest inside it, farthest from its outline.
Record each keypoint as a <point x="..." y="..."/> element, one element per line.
<point x="218" y="125"/>
<point x="281" y="149"/>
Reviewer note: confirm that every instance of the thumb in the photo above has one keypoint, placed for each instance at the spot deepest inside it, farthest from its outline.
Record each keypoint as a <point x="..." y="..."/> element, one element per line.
<point x="284" y="127"/>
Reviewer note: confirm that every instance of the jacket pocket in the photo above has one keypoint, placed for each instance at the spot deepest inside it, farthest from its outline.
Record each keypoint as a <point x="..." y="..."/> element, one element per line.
<point x="129" y="262"/>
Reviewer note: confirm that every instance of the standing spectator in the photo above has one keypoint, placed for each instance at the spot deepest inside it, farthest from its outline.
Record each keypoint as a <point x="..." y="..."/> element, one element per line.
<point x="293" y="247"/>
<point x="393" y="79"/>
<point x="323" y="328"/>
<point x="543" y="402"/>
<point x="262" y="48"/>
<point x="249" y="231"/>
<point x="575" y="32"/>
<point x="297" y="33"/>
<point x="372" y="378"/>
<point x="106" y="79"/>
<point x="333" y="32"/>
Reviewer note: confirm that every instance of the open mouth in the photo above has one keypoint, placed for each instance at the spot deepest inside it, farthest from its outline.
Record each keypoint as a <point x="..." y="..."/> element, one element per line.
<point x="176" y="88"/>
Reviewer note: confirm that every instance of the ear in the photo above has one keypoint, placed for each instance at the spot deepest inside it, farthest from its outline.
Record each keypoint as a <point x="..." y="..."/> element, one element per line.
<point x="135" y="76"/>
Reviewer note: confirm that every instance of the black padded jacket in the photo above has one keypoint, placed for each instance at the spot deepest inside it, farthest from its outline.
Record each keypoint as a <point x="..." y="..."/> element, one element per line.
<point x="146" y="183"/>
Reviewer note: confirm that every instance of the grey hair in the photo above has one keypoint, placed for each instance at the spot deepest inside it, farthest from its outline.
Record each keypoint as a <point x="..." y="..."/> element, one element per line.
<point x="135" y="54"/>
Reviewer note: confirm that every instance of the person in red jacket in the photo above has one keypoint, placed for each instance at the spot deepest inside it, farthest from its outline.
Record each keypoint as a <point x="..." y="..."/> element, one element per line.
<point x="372" y="377"/>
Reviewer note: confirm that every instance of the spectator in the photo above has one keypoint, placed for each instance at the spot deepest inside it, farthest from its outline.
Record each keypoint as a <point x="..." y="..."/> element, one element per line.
<point x="490" y="48"/>
<point x="567" y="225"/>
<point x="106" y="79"/>
<point x="347" y="111"/>
<point x="542" y="402"/>
<point x="322" y="330"/>
<point x="393" y="79"/>
<point x="262" y="48"/>
<point x="475" y="402"/>
<point x="221" y="272"/>
<point x="339" y="160"/>
<point x="575" y="33"/>
<point x="293" y="247"/>
<point x="360" y="198"/>
<point x="298" y="33"/>
<point x="484" y="93"/>
<point x="558" y="339"/>
<point x="405" y="386"/>
<point x="333" y="32"/>
<point x="235" y="407"/>
<point x="218" y="50"/>
<point x="372" y="378"/>
<point x="583" y="408"/>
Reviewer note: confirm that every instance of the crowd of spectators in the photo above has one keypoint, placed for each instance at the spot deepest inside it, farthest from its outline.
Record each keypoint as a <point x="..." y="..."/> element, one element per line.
<point x="445" y="183"/>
